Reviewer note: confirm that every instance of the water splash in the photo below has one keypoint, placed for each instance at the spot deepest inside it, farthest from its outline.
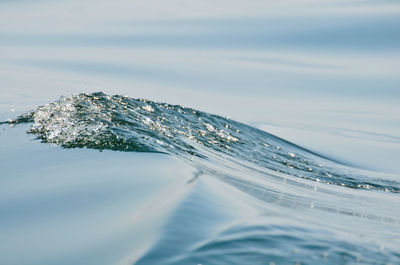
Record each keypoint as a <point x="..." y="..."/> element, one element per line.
<point x="100" y="121"/>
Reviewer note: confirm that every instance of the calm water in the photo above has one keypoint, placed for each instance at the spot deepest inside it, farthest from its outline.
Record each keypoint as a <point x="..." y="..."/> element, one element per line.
<point x="278" y="142"/>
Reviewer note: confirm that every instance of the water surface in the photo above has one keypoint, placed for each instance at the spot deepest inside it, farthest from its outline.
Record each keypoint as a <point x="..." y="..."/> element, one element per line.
<point x="261" y="132"/>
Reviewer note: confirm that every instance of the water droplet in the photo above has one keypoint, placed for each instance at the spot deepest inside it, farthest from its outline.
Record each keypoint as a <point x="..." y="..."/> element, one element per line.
<point x="148" y="108"/>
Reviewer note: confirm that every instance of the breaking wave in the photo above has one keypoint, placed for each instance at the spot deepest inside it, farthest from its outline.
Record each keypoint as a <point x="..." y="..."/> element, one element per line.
<point x="208" y="141"/>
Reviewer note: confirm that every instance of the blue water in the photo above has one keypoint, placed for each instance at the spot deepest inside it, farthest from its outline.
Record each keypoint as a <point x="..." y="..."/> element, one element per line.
<point x="229" y="132"/>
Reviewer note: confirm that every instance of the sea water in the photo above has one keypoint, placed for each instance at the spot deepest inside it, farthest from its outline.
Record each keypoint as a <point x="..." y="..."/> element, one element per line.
<point x="199" y="133"/>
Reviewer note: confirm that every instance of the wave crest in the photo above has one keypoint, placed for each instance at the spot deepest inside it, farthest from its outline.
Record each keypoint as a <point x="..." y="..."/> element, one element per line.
<point x="100" y="121"/>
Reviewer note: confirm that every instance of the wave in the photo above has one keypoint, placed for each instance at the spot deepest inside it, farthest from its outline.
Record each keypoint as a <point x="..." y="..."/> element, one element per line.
<point x="210" y="142"/>
<point x="251" y="244"/>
